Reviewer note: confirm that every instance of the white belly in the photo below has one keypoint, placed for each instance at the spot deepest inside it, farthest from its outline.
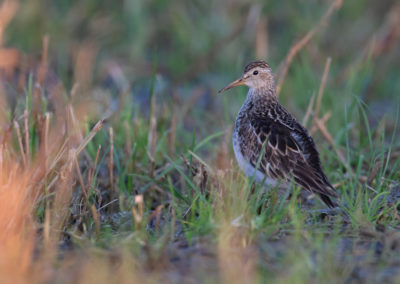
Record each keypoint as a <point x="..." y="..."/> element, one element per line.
<point x="248" y="169"/>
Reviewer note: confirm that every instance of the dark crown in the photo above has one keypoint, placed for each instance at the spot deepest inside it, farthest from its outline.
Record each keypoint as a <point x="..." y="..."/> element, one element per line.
<point x="258" y="63"/>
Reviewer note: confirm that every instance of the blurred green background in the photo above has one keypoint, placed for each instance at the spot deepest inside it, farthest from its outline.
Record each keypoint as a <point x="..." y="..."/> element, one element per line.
<point x="199" y="46"/>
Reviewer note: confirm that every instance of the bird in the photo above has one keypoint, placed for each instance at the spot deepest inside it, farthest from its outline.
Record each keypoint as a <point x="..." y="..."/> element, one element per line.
<point x="270" y="144"/>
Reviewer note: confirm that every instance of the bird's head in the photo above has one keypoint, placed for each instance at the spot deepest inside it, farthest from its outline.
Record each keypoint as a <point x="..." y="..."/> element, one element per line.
<point x="256" y="75"/>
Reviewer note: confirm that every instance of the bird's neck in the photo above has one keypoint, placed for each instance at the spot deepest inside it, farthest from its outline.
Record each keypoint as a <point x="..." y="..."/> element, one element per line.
<point x="265" y="94"/>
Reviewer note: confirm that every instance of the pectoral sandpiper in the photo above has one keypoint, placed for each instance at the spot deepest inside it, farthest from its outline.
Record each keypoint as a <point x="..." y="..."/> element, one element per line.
<point x="264" y="127"/>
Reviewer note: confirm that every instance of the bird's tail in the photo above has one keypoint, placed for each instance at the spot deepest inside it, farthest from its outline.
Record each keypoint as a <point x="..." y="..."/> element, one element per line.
<point x="328" y="201"/>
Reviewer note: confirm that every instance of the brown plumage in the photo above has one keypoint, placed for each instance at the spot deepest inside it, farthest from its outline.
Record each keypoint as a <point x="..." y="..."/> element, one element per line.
<point x="264" y="127"/>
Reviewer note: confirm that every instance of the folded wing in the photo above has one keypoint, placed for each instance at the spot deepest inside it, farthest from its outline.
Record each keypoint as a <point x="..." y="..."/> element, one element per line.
<point x="288" y="152"/>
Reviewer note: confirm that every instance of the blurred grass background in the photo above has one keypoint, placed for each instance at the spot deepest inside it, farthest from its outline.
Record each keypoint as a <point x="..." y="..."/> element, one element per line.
<point x="205" y="44"/>
<point x="124" y="207"/>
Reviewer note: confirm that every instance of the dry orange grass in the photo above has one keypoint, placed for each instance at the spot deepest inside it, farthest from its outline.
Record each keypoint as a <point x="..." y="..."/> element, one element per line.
<point x="29" y="178"/>
<point x="48" y="179"/>
<point x="17" y="227"/>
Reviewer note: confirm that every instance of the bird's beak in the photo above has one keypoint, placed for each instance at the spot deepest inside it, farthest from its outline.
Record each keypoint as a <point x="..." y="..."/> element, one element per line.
<point x="238" y="82"/>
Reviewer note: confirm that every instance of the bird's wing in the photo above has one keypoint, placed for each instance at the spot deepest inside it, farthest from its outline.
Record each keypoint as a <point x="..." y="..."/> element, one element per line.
<point x="288" y="153"/>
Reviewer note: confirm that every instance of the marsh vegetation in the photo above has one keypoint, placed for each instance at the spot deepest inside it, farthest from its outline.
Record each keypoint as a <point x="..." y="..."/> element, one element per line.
<point x="116" y="156"/>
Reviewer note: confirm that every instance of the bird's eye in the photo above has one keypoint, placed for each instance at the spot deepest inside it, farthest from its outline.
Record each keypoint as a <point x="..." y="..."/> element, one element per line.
<point x="255" y="72"/>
